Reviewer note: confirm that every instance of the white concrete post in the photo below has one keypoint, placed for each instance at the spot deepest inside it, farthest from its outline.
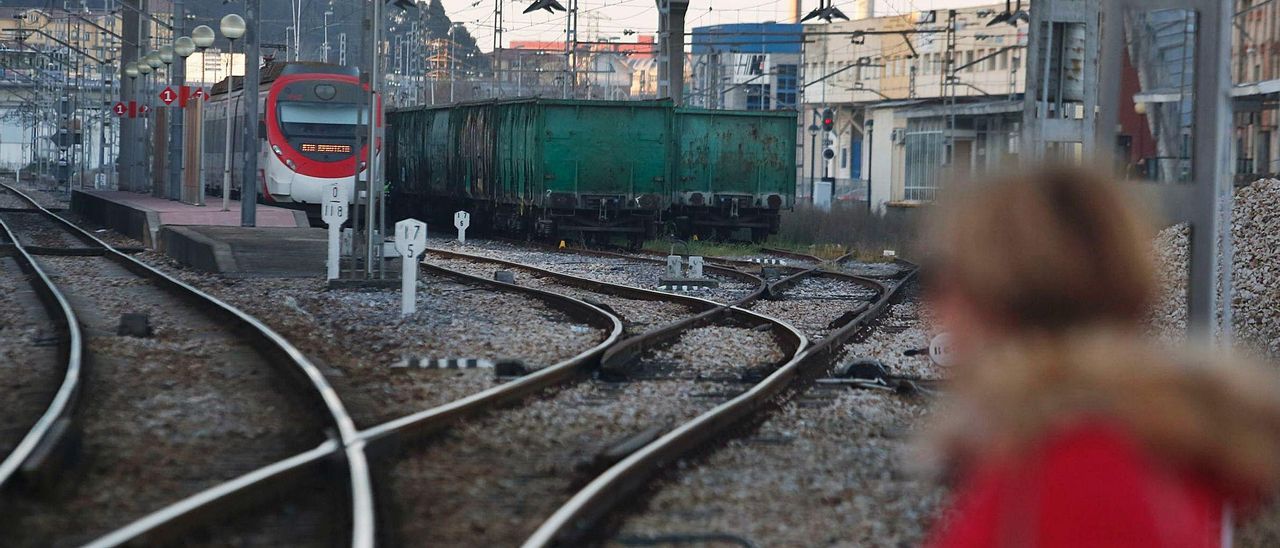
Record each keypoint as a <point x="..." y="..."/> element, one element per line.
<point x="462" y="220"/>
<point x="411" y="241"/>
<point x="334" y="213"/>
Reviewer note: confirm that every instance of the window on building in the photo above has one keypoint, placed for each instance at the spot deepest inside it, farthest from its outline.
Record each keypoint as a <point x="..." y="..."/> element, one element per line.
<point x="786" y="85"/>
<point x="1004" y="60"/>
<point x="991" y="61"/>
<point x="758" y="97"/>
<point x="925" y="153"/>
<point x="968" y="61"/>
<point x="844" y="157"/>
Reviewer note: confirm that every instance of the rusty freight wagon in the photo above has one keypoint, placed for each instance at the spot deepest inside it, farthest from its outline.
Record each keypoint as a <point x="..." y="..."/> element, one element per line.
<point x="592" y="170"/>
<point x="735" y="170"/>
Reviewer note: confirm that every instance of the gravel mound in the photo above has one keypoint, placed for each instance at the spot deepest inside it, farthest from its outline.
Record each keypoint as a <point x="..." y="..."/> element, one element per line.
<point x="1255" y="229"/>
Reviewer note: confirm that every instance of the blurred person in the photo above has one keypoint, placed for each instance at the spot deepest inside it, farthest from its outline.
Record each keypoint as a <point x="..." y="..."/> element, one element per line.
<point x="1065" y="426"/>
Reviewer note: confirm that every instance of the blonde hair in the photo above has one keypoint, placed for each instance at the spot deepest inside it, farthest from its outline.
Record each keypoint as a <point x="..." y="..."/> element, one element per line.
<point x="1046" y="250"/>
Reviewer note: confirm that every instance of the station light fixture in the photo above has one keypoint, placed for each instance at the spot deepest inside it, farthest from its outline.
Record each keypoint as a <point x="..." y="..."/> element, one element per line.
<point x="144" y="69"/>
<point x="166" y="54"/>
<point x="153" y="60"/>
<point x="131" y="70"/>
<point x="203" y="36"/>
<point x="232" y="26"/>
<point x="551" y="6"/>
<point x="184" y="46"/>
<point x="826" y="11"/>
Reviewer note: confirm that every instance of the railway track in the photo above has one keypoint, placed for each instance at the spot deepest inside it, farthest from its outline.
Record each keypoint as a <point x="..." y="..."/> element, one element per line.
<point x="824" y="468"/>
<point x="208" y="394"/>
<point x="504" y="474"/>
<point x="287" y="480"/>
<point x="595" y="507"/>
<point x="650" y="359"/>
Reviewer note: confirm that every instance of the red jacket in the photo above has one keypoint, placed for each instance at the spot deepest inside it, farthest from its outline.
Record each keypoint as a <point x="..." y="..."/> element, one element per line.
<point x="1089" y="485"/>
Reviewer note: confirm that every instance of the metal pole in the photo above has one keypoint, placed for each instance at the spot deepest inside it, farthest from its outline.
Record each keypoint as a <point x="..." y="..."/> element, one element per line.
<point x="177" y="75"/>
<point x="249" y="132"/>
<point x="226" y="151"/>
<point x="373" y="173"/>
<point x="325" y="47"/>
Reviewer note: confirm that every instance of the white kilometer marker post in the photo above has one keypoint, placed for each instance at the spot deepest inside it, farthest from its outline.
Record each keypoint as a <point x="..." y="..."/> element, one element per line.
<point x="335" y="213"/>
<point x="940" y="349"/>
<point x="411" y="240"/>
<point x="462" y="220"/>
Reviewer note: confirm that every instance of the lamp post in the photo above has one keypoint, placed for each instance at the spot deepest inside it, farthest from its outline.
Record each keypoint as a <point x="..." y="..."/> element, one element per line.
<point x="144" y="68"/>
<point x="175" y="146"/>
<point x="202" y="37"/>
<point x="132" y="72"/>
<point x="325" y="47"/>
<point x="233" y="27"/>
<point x="183" y="47"/>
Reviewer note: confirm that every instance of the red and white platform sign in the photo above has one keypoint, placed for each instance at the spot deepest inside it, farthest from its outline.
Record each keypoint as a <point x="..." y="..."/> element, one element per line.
<point x="183" y="96"/>
<point x="168" y="96"/>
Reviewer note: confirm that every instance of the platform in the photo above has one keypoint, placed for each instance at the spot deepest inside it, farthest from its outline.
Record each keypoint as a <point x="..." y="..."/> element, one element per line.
<point x="274" y="252"/>
<point x="142" y="216"/>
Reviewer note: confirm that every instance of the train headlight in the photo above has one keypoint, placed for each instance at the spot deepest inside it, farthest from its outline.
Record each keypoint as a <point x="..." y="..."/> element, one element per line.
<point x="276" y="149"/>
<point x="326" y="92"/>
<point x="363" y="165"/>
<point x="291" y="165"/>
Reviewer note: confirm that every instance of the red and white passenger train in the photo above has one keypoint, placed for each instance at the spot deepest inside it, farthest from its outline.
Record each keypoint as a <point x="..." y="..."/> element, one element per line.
<point x="310" y="116"/>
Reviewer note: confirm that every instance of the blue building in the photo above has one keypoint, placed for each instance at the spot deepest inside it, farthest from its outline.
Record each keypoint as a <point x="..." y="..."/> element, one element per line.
<point x="746" y="66"/>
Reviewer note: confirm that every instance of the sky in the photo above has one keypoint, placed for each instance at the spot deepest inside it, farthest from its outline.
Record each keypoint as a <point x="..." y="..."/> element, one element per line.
<point x="601" y="19"/>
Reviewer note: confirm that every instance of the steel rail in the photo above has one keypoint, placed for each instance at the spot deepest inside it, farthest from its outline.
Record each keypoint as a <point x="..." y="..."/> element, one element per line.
<point x="43" y="433"/>
<point x="437" y="418"/>
<point x="577" y="518"/>
<point x="622" y="354"/>
<point x="241" y="491"/>
<point x="360" y="485"/>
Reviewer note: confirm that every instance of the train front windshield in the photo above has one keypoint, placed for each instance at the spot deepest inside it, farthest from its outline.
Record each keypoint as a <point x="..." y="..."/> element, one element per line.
<point x="319" y="120"/>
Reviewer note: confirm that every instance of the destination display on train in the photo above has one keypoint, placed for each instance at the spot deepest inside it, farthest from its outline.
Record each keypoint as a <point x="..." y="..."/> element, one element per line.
<point x="318" y="147"/>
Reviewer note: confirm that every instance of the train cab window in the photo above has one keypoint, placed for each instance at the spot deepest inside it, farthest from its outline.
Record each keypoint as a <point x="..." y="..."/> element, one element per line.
<point x="318" y="119"/>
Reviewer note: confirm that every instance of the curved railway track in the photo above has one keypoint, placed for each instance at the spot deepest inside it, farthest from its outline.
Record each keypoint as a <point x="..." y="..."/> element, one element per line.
<point x="250" y="490"/>
<point x="587" y="512"/>
<point x="637" y="352"/>
<point x="505" y="473"/>
<point x="41" y="414"/>
<point x="212" y="394"/>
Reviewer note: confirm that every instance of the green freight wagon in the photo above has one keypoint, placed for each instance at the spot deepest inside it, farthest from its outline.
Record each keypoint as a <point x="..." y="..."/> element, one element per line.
<point x="589" y="169"/>
<point x="735" y="170"/>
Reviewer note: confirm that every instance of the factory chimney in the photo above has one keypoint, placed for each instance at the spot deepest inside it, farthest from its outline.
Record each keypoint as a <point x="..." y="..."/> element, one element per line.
<point x="795" y="11"/>
<point x="863" y="9"/>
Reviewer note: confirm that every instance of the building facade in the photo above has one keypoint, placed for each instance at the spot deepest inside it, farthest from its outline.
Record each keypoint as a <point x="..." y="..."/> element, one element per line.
<point x="747" y="66"/>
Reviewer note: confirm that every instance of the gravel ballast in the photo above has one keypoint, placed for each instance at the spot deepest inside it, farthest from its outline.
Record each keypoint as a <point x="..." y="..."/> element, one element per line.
<point x="1255" y="229"/>
<point x="31" y="370"/>
<point x="356" y="335"/>
<point x="826" y="469"/>
<point x="493" y="481"/>
<point x="814" y="302"/>
<point x="637" y="315"/>
<point x="165" y="416"/>
<point x="624" y="271"/>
